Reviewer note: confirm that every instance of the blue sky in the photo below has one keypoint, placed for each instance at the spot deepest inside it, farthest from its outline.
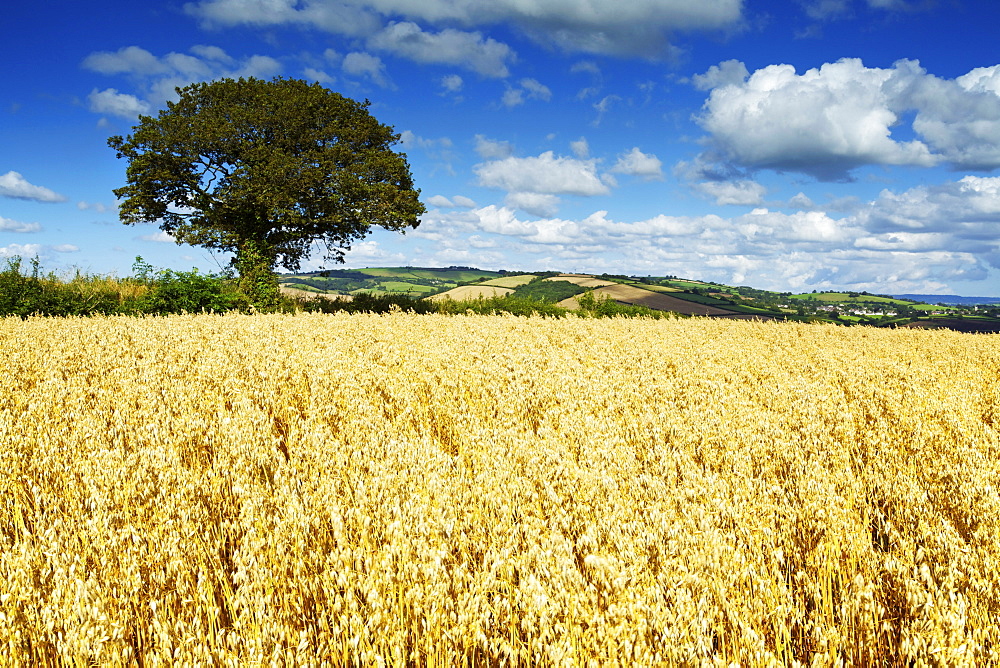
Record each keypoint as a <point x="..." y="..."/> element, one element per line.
<point x="789" y="145"/>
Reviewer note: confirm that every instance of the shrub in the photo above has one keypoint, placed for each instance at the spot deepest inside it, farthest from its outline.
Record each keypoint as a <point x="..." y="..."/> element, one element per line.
<point x="550" y="291"/>
<point x="25" y="294"/>
<point x="18" y="293"/>
<point x="365" y="302"/>
<point x="495" y="305"/>
<point x="602" y="306"/>
<point x="191" y="292"/>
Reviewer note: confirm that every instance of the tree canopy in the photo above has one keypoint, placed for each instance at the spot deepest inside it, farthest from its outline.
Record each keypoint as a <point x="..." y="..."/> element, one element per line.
<point x="265" y="170"/>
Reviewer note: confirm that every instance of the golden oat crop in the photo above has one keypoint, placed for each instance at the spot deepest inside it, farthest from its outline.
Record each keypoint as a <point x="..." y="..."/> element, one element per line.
<point x="412" y="490"/>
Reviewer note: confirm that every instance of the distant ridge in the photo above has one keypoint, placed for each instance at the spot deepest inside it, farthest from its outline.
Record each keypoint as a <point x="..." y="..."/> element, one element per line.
<point x="950" y="299"/>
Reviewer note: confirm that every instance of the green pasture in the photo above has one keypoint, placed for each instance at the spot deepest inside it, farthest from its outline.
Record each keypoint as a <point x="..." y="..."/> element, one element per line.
<point x="399" y="287"/>
<point x="448" y="275"/>
<point x="656" y="288"/>
<point x="839" y="297"/>
<point x="303" y="287"/>
<point x="686" y="285"/>
<point x="932" y="307"/>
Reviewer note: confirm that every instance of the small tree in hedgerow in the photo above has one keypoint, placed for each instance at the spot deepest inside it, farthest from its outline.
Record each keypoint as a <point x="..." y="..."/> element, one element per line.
<point x="265" y="170"/>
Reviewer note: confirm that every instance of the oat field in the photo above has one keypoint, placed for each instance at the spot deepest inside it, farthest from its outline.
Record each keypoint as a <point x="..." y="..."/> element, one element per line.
<point x="404" y="490"/>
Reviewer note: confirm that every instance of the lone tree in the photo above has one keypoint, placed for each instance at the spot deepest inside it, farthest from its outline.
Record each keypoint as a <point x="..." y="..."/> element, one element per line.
<point x="266" y="169"/>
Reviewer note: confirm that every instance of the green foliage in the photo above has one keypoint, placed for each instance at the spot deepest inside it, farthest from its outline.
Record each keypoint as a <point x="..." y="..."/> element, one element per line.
<point x="265" y="170"/>
<point x="454" y="275"/>
<point x="684" y="285"/>
<point x="602" y="306"/>
<point x="548" y="291"/>
<point x="366" y="302"/>
<point x="352" y="282"/>
<point x="496" y="305"/>
<point x="148" y="291"/>
<point x="403" y="287"/>
<point x="257" y="281"/>
<point x="322" y="284"/>
<point x="27" y="291"/>
<point x="18" y="293"/>
<point x="24" y="294"/>
<point x="851" y="297"/>
<point x="590" y="306"/>
<point x="191" y="292"/>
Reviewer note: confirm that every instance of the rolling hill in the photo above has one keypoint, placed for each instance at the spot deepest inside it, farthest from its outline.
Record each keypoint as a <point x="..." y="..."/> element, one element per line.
<point x="678" y="295"/>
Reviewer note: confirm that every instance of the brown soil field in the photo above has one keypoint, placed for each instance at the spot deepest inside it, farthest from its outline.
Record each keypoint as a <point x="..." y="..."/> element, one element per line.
<point x="662" y="302"/>
<point x="472" y="292"/>
<point x="968" y="326"/>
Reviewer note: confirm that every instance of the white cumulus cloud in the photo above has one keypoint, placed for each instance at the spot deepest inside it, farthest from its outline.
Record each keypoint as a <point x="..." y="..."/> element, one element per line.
<point x="440" y="201"/>
<point x="638" y="27"/>
<point x="127" y="60"/>
<point x="743" y="192"/>
<point x="537" y="204"/>
<point x="580" y="148"/>
<point x="800" y="226"/>
<point x="361" y="64"/>
<point x="637" y="163"/>
<point x="959" y="119"/>
<point x="20" y="250"/>
<point x="8" y="225"/>
<point x="825" y="121"/>
<point x="158" y="237"/>
<point x="491" y="149"/>
<point x="545" y="174"/>
<point x="916" y="240"/>
<point x="94" y="206"/>
<point x="155" y="78"/>
<point x="319" y="76"/>
<point x="536" y="90"/>
<point x="726" y="73"/>
<point x="830" y="120"/>
<point x="963" y="215"/>
<point x="352" y="18"/>
<point x="12" y="184"/>
<point x="458" y="201"/>
<point x="410" y="140"/>
<point x="470" y="50"/>
<point x="452" y="83"/>
<point x="110" y="101"/>
<point x="529" y="89"/>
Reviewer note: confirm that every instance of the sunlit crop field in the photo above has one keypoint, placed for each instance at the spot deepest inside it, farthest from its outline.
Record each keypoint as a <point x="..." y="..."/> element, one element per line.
<point x="433" y="490"/>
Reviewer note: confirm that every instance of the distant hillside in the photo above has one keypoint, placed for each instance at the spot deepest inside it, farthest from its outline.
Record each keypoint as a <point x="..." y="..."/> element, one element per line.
<point x="664" y="293"/>
<point x="950" y="299"/>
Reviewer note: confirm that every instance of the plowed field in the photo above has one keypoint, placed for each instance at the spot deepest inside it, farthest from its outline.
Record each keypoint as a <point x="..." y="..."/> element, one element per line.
<point x="628" y="294"/>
